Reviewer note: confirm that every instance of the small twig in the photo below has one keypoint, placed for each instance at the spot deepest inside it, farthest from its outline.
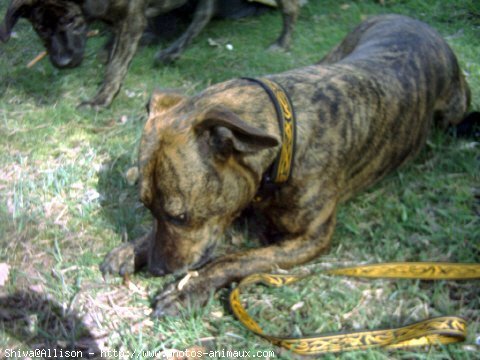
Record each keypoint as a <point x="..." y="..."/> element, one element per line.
<point x="37" y="59"/>
<point x="93" y="33"/>
<point x="186" y="279"/>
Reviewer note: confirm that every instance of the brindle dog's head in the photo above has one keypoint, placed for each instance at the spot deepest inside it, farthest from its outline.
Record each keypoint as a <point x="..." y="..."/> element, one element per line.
<point x="60" y="24"/>
<point x="195" y="177"/>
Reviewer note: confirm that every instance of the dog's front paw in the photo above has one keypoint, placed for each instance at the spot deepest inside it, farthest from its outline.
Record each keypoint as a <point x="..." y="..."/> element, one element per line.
<point x="276" y="47"/>
<point x="279" y="46"/>
<point x="93" y="104"/>
<point x="171" y="300"/>
<point x="102" y="100"/>
<point x="119" y="261"/>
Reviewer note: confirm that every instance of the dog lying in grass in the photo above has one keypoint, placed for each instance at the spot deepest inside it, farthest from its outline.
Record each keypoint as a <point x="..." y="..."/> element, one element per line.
<point x="361" y="112"/>
<point x="62" y="26"/>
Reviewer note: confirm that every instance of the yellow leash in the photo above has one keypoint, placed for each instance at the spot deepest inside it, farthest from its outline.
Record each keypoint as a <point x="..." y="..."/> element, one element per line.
<point x="440" y="330"/>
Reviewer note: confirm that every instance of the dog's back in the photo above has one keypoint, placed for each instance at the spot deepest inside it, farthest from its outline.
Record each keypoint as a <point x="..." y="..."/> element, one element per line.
<point x="393" y="45"/>
<point x="375" y="96"/>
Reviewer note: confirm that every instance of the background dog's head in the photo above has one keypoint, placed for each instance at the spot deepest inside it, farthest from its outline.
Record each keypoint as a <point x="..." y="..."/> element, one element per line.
<point x="199" y="168"/>
<point x="60" y="24"/>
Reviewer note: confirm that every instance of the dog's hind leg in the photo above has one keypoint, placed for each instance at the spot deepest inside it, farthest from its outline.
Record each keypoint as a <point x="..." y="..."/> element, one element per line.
<point x="203" y="14"/>
<point x="452" y="108"/>
<point x="289" y="9"/>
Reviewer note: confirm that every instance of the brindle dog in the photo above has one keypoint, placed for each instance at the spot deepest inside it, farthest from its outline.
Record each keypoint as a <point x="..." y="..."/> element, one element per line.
<point x="62" y="26"/>
<point x="363" y="111"/>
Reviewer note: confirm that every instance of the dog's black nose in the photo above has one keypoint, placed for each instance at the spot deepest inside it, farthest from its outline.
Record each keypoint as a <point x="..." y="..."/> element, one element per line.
<point x="64" y="62"/>
<point x="157" y="269"/>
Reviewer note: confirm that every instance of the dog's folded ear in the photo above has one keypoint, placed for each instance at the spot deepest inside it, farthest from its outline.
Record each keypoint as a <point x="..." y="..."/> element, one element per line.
<point x="162" y="100"/>
<point x="16" y="9"/>
<point x="229" y="133"/>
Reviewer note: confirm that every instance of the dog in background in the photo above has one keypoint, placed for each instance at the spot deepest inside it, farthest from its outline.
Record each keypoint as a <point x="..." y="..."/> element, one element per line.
<point x="62" y="26"/>
<point x="364" y="110"/>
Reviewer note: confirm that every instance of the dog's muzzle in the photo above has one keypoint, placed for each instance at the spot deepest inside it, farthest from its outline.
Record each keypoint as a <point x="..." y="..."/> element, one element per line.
<point x="160" y="268"/>
<point x="207" y="255"/>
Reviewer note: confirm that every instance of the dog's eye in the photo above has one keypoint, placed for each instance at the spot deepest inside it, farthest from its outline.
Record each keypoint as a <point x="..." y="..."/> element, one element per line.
<point x="178" y="220"/>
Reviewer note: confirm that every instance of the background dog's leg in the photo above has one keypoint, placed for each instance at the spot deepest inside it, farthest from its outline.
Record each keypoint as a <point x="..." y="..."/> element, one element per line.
<point x="290" y="252"/>
<point x="127" y="37"/>
<point x="203" y="13"/>
<point x="289" y="9"/>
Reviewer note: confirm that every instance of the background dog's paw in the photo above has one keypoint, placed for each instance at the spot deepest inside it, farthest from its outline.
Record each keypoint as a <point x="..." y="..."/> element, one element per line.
<point x="119" y="261"/>
<point x="166" y="57"/>
<point x="281" y="44"/>
<point x="90" y="104"/>
<point x="98" y="103"/>
<point x="276" y="47"/>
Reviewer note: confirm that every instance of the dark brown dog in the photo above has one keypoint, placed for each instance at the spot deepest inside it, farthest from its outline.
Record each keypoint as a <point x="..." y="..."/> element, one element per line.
<point x="363" y="111"/>
<point x="61" y="24"/>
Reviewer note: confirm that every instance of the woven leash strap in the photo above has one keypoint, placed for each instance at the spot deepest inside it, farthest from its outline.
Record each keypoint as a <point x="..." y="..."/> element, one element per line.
<point x="439" y="330"/>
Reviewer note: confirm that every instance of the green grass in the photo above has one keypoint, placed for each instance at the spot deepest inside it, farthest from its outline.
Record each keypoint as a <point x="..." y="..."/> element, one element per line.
<point x="65" y="202"/>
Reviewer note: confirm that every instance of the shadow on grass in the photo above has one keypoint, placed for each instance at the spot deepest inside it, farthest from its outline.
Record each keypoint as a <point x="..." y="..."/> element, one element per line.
<point x="43" y="325"/>
<point x="42" y="87"/>
<point x="120" y="202"/>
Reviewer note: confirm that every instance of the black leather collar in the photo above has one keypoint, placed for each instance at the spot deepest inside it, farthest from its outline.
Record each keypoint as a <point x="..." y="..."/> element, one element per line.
<point x="281" y="170"/>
